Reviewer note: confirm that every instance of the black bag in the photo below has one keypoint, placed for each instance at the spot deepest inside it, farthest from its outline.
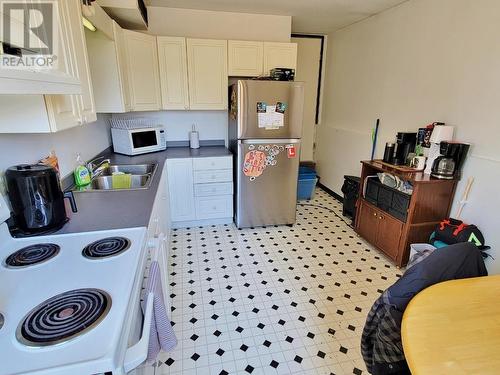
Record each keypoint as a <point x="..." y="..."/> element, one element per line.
<point x="451" y="231"/>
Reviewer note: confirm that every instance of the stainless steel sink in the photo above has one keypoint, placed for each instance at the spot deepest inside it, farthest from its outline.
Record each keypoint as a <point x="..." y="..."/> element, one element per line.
<point x="142" y="176"/>
<point x="134" y="169"/>
<point x="138" y="181"/>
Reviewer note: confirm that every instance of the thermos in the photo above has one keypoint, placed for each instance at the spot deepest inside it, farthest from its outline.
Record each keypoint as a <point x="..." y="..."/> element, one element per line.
<point x="194" y="138"/>
<point x="389" y="152"/>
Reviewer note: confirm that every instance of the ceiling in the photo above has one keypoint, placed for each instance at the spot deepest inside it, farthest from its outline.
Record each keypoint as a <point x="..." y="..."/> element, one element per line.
<point x="308" y="16"/>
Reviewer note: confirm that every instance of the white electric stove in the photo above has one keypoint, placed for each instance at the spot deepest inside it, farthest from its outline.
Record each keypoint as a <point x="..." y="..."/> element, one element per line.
<point x="70" y="303"/>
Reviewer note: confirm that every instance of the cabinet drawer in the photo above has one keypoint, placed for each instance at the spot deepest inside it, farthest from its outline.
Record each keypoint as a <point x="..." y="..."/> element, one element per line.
<point x="203" y="164"/>
<point x="214" y="207"/>
<point x="219" y="175"/>
<point x="205" y="190"/>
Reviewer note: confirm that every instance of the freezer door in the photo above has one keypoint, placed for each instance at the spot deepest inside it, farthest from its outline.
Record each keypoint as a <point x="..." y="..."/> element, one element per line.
<point x="269" y="92"/>
<point x="267" y="195"/>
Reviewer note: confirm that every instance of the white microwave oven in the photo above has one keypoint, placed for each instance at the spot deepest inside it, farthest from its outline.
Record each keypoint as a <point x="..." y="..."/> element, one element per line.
<point x="140" y="140"/>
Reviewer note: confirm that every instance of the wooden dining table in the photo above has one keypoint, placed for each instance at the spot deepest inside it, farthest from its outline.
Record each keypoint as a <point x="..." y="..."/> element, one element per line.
<point x="454" y="328"/>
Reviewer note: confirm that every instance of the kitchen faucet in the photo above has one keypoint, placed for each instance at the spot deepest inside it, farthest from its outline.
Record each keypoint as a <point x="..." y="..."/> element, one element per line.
<point x="96" y="167"/>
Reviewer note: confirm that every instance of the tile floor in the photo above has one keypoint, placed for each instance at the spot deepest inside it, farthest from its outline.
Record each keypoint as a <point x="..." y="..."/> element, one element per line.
<point x="273" y="300"/>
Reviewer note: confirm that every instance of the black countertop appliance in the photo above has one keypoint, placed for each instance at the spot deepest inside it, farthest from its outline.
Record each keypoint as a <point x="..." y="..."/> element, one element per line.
<point x="449" y="164"/>
<point x="405" y="143"/>
<point x="37" y="199"/>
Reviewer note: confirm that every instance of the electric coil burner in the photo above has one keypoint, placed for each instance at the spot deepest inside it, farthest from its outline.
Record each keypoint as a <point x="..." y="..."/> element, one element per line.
<point x="106" y="247"/>
<point x="30" y="255"/>
<point x="64" y="317"/>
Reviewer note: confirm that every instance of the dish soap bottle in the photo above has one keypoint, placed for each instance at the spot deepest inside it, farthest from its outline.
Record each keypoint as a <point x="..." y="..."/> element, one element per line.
<point x="81" y="173"/>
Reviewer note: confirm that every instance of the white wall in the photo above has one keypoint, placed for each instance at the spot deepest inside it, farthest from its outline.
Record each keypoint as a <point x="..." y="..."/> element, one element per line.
<point x="218" y="25"/>
<point x="89" y="140"/>
<point x="420" y="62"/>
<point x="308" y="59"/>
<point x="212" y="125"/>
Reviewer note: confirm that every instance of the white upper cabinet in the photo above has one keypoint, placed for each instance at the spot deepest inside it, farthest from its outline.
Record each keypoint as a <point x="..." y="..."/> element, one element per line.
<point x="52" y="113"/>
<point x="66" y="111"/>
<point x="279" y="55"/>
<point x="62" y="79"/>
<point x="144" y="77"/>
<point x="122" y="66"/>
<point x="108" y="67"/>
<point x="207" y="71"/>
<point x="87" y="109"/>
<point x="245" y="58"/>
<point x="173" y="72"/>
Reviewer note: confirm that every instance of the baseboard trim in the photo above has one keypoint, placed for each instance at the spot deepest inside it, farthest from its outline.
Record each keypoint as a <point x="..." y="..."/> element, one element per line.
<point x="201" y="223"/>
<point x="338" y="197"/>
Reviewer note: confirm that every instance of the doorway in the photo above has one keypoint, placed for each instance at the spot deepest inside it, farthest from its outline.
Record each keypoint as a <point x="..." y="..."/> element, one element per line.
<point x="309" y="70"/>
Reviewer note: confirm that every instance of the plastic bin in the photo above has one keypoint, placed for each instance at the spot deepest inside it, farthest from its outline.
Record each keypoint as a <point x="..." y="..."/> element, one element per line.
<point x="307" y="183"/>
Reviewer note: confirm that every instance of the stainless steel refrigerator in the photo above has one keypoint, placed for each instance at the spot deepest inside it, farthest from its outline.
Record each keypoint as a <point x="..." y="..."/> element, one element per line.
<point x="265" y="130"/>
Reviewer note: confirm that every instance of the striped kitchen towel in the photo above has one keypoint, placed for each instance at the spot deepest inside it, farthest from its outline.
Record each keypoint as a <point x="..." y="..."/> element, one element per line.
<point x="162" y="336"/>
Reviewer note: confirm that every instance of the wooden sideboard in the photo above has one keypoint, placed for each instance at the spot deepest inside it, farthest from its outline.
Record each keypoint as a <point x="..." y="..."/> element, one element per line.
<point x="429" y="204"/>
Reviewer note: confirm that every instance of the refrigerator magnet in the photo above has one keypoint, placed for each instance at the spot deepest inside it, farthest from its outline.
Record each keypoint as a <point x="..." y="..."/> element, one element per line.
<point x="291" y="151"/>
<point x="280" y="107"/>
<point x="261" y="107"/>
<point x="254" y="164"/>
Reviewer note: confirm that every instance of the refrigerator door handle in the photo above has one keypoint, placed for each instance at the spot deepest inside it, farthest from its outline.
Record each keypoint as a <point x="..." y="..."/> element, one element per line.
<point x="268" y="141"/>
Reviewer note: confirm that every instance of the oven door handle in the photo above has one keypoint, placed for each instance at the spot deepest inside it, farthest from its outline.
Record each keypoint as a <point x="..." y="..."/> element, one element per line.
<point x="138" y="353"/>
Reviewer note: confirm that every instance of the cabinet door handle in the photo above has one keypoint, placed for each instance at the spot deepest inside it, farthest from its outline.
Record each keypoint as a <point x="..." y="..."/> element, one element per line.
<point x="374" y="214"/>
<point x="380" y="217"/>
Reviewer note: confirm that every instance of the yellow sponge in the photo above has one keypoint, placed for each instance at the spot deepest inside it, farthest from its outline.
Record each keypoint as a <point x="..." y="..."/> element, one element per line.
<point x="121" y="180"/>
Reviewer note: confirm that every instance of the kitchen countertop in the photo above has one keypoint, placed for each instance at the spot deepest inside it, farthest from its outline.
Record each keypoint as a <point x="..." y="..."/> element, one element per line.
<point x="106" y="210"/>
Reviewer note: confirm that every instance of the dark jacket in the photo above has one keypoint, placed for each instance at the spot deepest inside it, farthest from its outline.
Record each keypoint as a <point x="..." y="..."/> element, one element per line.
<point x="381" y="345"/>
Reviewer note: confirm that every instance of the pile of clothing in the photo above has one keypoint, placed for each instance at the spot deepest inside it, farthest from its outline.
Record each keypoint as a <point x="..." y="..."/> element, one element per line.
<point x="381" y="344"/>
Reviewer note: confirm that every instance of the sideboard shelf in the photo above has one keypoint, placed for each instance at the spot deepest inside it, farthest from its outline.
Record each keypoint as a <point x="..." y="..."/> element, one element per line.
<point x="430" y="203"/>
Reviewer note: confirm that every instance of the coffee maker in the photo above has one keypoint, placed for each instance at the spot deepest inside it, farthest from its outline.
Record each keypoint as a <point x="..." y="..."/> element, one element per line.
<point x="449" y="164"/>
<point x="405" y="144"/>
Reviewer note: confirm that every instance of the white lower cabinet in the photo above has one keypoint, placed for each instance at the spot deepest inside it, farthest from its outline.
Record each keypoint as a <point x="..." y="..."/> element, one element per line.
<point x="160" y="219"/>
<point x="181" y="190"/>
<point x="206" y="190"/>
<point x="214" y="207"/>
<point x="199" y="192"/>
<point x="208" y="176"/>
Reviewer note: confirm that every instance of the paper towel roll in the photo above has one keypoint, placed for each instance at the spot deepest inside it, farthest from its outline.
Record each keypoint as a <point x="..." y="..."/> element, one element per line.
<point x="194" y="139"/>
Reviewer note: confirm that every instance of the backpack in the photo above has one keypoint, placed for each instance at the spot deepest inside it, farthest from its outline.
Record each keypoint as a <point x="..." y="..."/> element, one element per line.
<point x="451" y="231"/>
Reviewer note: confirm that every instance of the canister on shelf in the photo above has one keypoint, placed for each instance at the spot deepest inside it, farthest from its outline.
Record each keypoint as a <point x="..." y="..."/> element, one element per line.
<point x="389" y="152"/>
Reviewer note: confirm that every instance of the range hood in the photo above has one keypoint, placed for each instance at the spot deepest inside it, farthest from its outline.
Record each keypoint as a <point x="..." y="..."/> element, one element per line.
<point x="129" y="14"/>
